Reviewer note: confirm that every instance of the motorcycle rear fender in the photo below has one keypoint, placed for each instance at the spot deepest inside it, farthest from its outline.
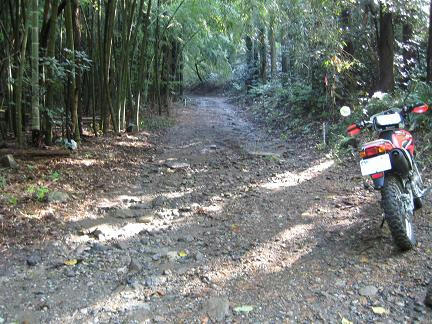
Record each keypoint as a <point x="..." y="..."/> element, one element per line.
<point x="378" y="183"/>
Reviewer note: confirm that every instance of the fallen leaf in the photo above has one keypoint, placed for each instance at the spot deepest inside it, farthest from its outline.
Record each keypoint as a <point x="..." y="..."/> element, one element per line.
<point x="363" y="300"/>
<point x="235" y="228"/>
<point x="71" y="262"/>
<point x="201" y="211"/>
<point x="243" y="309"/>
<point x="158" y="293"/>
<point x="364" y="259"/>
<point x="379" y="310"/>
<point x="182" y="253"/>
<point x="345" y="321"/>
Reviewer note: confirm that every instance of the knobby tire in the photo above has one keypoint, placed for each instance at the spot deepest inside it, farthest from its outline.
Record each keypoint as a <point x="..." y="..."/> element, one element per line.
<point x="396" y="213"/>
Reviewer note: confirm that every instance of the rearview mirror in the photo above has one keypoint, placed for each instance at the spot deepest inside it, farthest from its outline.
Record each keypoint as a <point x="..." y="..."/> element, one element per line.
<point x="345" y="111"/>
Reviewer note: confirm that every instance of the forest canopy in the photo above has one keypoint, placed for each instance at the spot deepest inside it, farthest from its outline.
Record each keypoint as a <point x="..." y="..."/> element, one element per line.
<point x="66" y="64"/>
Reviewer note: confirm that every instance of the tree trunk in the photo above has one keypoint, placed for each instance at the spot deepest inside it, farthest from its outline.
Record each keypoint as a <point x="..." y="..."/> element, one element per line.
<point x="256" y="63"/>
<point x="43" y="41"/>
<point x="179" y="69"/>
<point x="20" y="79"/>
<point x="93" y="51"/>
<point x="198" y="73"/>
<point x="408" y="53"/>
<point x="249" y="62"/>
<point x="108" y="39"/>
<point x="128" y="10"/>
<point x="272" y="41"/>
<point x="10" y="92"/>
<point x="35" y="124"/>
<point x="386" y="51"/>
<point x="285" y="53"/>
<point x="176" y="67"/>
<point x="143" y="68"/>
<point x="429" y="47"/>
<point x="166" y="74"/>
<point x="72" y="96"/>
<point x="100" y="57"/>
<point x="77" y="35"/>
<point x="50" y="87"/>
<point x="263" y="55"/>
<point x="346" y="25"/>
<point x="156" y="67"/>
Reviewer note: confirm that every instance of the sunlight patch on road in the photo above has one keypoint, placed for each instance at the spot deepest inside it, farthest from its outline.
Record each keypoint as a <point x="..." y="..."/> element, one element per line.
<point x="134" y="144"/>
<point x="291" y="179"/>
<point x="216" y="208"/>
<point x="177" y="194"/>
<point x="85" y="162"/>
<point x="110" y="231"/>
<point x="293" y="233"/>
<point x="269" y="257"/>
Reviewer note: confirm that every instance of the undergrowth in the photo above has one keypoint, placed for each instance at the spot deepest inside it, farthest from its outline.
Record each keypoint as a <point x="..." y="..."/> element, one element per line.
<point x="295" y="108"/>
<point x="155" y="123"/>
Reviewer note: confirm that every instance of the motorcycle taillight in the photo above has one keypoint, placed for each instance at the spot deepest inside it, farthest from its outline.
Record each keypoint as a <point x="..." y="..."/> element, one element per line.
<point x="372" y="151"/>
<point x="377" y="175"/>
<point x="378" y="147"/>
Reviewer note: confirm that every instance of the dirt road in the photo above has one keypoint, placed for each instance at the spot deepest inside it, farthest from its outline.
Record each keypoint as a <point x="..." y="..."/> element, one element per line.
<point x="226" y="224"/>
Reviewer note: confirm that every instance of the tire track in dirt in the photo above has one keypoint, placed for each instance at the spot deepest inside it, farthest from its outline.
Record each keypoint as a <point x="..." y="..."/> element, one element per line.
<point x="304" y="242"/>
<point x="225" y="216"/>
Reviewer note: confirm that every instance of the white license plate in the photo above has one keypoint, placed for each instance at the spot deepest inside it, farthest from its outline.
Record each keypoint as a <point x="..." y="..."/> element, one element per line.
<point x="375" y="164"/>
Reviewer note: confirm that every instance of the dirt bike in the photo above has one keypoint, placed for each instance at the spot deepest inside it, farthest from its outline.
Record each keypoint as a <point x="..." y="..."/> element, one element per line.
<point x="390" y="162"/>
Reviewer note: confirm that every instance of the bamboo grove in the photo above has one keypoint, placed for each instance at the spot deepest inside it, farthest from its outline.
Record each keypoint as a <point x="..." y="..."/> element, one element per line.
<point x="66" y="64"/>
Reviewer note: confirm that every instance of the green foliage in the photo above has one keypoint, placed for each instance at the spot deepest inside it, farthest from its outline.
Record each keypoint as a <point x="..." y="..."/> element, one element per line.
<point x="155" y="123"/>
<point x="209" y="31"/>
<point x="38" y="192"/>
<point x="31" y="189"/>
<point x="417" y="92"/>
<point x="2" y="182"/>
<point x="12" y="201"/>
<point x="30" y="167"/>
<point x="62" y="69"/>
<point x="41" y="193"/>
<point x="55" y="176"/>
<point x="331" y="48"/>
<point x="287" y="106"/>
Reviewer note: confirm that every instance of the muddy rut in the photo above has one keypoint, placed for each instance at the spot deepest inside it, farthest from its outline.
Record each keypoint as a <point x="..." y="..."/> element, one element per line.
<point x="226" y="224"/>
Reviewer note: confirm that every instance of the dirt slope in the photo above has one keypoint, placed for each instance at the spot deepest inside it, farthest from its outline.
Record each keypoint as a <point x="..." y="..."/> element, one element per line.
<point x="226" y="224"/>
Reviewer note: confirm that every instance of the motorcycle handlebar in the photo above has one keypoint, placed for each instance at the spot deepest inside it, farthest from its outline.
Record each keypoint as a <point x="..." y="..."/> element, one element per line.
<point x="363" y="124"/>
<point x="408" y="109"/>
<point x="404" y="111"/>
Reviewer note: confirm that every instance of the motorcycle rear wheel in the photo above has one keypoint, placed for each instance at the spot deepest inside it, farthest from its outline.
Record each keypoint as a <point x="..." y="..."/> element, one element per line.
<point x="398" y="206"/>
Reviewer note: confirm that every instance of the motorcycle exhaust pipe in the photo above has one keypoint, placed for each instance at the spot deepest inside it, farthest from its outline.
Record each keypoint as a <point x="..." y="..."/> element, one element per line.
<point x="400" y="163"/>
